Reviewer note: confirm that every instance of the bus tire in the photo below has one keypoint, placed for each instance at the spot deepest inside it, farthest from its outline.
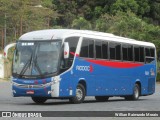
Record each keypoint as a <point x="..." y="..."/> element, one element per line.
<point x="101" y="98"/>
<point x="136" y="93"/>
<point x="80" y="95"/>
<point x="39" y="100"/>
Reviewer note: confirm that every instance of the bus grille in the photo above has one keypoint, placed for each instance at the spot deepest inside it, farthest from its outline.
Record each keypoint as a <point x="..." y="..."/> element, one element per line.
<point x="31" y="86"/>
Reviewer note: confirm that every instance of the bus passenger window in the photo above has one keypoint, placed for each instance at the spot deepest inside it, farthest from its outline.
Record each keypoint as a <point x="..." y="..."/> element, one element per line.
<point x="149" y="55"/>
<point x="98" y="46"/>
<point x="115" y="51"/>
<point x="73" y="41"/>
<point x="87" y="48"/>
<point x="141" y="54"/>
<point x="112" y="50"/>
<point x="125" y="52"/>
<point x="152" y="52"/>
<point x="84" y="49"/>
<point x="118" y="52"/>
<point x="130" y="53"/>
<point x="147" y="51"/>
<point x="105" y="50"/>
<point x="91" y="48"/>
<point x="136" y="54"/>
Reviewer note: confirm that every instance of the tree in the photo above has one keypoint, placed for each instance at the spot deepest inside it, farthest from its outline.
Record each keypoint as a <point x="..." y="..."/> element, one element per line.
<point x="104" y="22"/>
<point x="23" y="16"/>
<point x="155" y="11"/>
<point x="143" y="7"/>
<point x="129" y="25"/>
<point x="124" y="6"/>
<point x="81" y="23"/>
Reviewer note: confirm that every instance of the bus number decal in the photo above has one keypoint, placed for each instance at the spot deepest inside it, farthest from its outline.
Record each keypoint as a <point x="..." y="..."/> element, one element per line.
<point x="85" y="68"/>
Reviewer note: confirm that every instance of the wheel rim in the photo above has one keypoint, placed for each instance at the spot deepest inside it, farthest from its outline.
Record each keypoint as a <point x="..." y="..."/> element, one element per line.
<point x="136" y="91"/>
<point x="79" y="94"/>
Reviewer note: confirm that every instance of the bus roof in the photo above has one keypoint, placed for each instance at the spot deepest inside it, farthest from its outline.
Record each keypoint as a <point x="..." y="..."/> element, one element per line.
<point x="51" y="34"/>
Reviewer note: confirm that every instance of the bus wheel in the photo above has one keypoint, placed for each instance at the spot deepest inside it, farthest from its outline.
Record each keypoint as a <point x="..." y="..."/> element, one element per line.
<point x="39" y="100"/>
<point x="136" y="93"/>
<point x="101" y="98"/>
<point x="80" y="95"/>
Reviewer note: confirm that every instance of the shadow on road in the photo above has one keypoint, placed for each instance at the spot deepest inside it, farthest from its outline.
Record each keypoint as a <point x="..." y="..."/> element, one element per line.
<point x="66" y="102"/>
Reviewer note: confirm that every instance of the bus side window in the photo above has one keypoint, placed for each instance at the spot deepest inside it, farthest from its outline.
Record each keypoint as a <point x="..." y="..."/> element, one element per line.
<point x="104" y="50"/>
<point x="98" y="48"/>
<point x="118" y="51"/>
<point x="112" y="51"/>
<point x="127" y="51"/>
<point x="141" y="54"/>
<point x="101" y="48"/>
<point x="136" y="53"/>
<point x="152" y="52"/>
<point x="130" y="52"/>
<point x="73" y="41"/>
<point x="87" y="48"/>
<point x="115" y="51"/>
<point x="91" y="48"/>
<point x="84" y="48"/>
<point x="149" y="55"/>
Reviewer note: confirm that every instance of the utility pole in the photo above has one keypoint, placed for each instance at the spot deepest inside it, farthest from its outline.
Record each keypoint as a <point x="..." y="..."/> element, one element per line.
<point x="21" y="26"/>
<point x="2" y="38"/>
<point x="5" y="29"/>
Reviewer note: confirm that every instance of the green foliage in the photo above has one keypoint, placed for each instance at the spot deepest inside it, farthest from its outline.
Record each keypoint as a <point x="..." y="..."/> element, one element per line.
<point x="155" y="11"/>
<point x="124" y="6"/>
<point x="22" y="16"/>
<point x="138" y="19"/>
<point x="104" y="23"/>
<point x="81" y="23"/>
<point x="129" y="25"/>
<point x="143" y="7"/>
<point x="47" y="3"/>
<point x="158" y="71"/>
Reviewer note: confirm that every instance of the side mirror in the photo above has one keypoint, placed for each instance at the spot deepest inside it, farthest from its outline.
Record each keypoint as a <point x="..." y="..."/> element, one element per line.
<point x="7" y="48"/>
<point x="66" y="50"/>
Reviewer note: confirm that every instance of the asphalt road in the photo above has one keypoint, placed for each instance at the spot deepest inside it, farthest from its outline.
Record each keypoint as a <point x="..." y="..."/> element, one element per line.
<point x="9" y="103"/>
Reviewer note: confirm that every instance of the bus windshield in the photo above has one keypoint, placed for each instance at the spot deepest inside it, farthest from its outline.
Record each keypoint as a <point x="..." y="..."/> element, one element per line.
<point x="32" y="59"/>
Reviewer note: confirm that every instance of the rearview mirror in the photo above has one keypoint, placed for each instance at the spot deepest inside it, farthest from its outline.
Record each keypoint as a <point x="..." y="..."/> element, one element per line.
<point x="7" y="48"/>
<point x="66" y="50"/>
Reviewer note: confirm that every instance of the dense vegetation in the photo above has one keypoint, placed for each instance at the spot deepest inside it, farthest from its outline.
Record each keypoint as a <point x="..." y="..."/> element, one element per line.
<point x="138" y="19"/>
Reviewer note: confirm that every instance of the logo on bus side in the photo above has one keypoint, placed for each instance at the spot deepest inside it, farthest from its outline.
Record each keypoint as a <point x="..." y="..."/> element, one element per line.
<point x="85" y="68"/>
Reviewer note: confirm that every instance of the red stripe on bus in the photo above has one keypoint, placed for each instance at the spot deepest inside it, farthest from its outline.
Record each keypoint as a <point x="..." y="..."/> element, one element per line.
<point x="115" y="64"/>
<point x="72" y="53"/>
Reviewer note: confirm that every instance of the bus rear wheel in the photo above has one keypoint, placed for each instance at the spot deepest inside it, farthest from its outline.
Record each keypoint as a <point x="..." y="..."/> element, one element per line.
<point x="136" y="93"/>
<point x="80" y="95"/>
<point x="102" y="98"/>
<point x="39" y="100"/>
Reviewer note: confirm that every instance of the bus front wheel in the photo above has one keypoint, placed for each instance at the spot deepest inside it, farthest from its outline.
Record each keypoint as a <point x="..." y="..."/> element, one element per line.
<point x="136" y="93"/>
<point x="39" y="100"/>
<point x="80" y="95"/>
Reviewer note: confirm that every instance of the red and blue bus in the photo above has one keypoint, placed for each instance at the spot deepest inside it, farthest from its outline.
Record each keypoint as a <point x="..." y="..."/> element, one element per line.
<point x="72" y="64"/>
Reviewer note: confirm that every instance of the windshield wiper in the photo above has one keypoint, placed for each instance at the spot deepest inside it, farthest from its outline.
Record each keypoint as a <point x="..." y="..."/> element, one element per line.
<point x="37" y="66"/>
<point x="26" y="66"/>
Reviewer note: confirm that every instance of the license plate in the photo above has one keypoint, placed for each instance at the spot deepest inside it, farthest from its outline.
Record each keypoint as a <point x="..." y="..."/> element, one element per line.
<point x="30" y="92"/>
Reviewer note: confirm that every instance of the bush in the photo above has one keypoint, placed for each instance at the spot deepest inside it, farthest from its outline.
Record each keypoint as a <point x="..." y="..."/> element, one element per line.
<point x="158" y="76"/>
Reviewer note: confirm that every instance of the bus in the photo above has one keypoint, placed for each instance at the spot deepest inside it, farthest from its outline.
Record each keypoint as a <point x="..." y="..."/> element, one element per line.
<point x="71" y="64"/>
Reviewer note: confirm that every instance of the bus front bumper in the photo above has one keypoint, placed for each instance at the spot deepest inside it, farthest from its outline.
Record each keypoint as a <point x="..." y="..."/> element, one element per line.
<point x="42" y="90"/>
<point x="36" y="92"/>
